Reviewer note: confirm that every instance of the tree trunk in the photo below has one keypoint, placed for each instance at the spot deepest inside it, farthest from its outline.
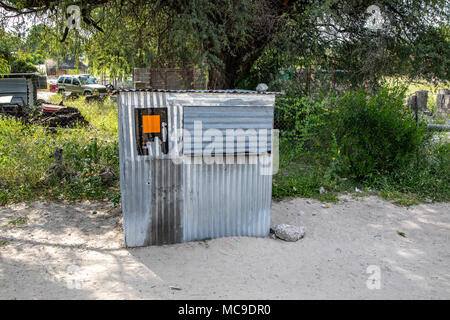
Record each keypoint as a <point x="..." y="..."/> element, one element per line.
<point x="225" y="76"/>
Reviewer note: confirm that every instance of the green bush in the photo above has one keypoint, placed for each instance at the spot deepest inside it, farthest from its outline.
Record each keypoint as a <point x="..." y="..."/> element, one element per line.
<point x="290" y="113"/>
<point x="28" y="169"/>
<point x="429" y="177"/>
<point x="364" y="136"/>
<point x="359" y="141"/>
<point x="21" y="65"/>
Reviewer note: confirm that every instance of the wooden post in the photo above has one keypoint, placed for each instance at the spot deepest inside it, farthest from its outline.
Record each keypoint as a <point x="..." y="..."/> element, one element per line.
<point x="412" y="104"/>
<point x="307" y="80"/>
<point x="442" y="101"/>
<point x="422" y="99"/>
<point x="165" y="79"/>
<point x="150" y="70"/>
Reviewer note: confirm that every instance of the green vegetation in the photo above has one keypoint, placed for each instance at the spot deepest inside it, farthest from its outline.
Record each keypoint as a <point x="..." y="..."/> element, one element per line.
<point x="334" y="137"/>
<point x="18" y="221"/>
<point x="338" y="144"/>
<point x="13" y="56"/>
<point x="370" y="143"/>
<point x="28" y="170"/>
<point x="4" y="242"/>
<point x="401" y="234"/>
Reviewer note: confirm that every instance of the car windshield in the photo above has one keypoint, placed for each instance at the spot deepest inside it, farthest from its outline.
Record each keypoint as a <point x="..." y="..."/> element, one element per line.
<point x="88" y="80"/>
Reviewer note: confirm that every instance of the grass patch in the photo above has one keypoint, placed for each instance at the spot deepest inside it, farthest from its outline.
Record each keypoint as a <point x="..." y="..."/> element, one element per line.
<point x="372" y="143"/>
<point x="401" y="234"/>
<point x="28" y="170"/>
<point x="300" y="175"/>
<point x="401" y="199"/>
<point x="4" y="242"/>
<point x="405" y="202"/>
<point x="17" y="222"/>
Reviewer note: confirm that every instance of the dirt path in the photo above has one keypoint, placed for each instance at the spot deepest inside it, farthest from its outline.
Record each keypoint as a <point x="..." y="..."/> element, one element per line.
<point x="45" y="95"/>
<point x="76" y="251"/>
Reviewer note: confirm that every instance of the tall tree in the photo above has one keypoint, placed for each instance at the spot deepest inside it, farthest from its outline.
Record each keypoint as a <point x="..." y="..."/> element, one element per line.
<point x="229" y="36"/>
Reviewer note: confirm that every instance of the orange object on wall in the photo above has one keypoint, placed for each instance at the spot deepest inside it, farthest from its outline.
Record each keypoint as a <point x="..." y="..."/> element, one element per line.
<point x="151" y="124"/>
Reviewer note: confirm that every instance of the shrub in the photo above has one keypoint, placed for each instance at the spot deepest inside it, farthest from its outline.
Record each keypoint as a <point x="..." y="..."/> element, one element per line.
<point x="21" y="65"/>
<point x="359" y="141"/>
<point x="363" y="136"/>
<point x="28" y="170"/>
<point x="290" y="113"/>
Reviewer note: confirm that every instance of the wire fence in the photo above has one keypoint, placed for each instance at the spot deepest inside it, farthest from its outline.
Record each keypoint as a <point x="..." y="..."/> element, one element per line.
<point x="169" y="78"/>
<point x="311" y="81"/>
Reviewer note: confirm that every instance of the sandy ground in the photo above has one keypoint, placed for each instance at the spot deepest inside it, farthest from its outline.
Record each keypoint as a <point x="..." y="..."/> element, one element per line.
<point x="76" y="251"/>
<point x="45" y="95"/>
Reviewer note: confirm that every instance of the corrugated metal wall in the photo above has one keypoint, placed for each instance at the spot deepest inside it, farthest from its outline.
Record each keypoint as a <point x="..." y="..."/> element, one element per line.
<point x="169" y="198"/>
<point x="20" y="87"/>
<point x="16" y="87"/>
<point x="245" y="122"/>
<point x="222" y="200"/>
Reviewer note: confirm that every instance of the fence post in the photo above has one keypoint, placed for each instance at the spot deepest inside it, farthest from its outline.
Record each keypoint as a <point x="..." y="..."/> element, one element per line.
<point x="422" y="98"/>
<point x="150" y="71"/>
<point x="412" y="104"/>
<point x="165" y="79"/>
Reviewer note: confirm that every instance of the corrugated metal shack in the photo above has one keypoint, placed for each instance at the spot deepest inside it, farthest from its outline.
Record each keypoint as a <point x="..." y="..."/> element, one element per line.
<point x="22" y="86"/>
<point x="176" y="184"/>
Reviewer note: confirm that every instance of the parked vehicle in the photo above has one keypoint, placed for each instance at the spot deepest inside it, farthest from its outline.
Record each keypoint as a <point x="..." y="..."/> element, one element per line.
<point x="80" y="84"/>
<point x="53" y="85"/>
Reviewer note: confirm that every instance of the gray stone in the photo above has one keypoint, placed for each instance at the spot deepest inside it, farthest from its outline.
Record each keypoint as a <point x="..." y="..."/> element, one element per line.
<point x="262" y="87"/>
<point x="289" y="232"/>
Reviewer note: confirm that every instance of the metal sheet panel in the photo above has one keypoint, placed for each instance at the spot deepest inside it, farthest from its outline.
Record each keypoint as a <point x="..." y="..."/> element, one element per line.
<point x="151" y="199"/>
<point x="242" y="129"/>
<point x="32" y="92"/>
<point x="16" y="87"/>
<point x="223" y="200"/>
<point x="41" y="82"/>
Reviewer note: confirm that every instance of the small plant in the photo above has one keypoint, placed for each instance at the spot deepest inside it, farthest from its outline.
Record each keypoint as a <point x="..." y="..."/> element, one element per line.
<point x="4" y="242"/>
<point x="405" y="202"/>
<point x="28" y="169"/>
<point x="401" y="234"/>
<point x="18" y="221"/>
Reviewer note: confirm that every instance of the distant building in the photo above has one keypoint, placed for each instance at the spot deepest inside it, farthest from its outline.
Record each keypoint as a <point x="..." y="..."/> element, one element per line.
<point x="56" y="69"/>
<point x="50" y="67"/>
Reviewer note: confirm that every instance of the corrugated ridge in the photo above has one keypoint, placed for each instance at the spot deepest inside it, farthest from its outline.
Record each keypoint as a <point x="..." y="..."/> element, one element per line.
<point x="228" y="200"/>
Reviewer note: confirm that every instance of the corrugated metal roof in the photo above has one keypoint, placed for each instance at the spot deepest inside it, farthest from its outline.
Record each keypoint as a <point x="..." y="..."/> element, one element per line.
<point x="230" y="91"/>
<point x="226" y="120"/>
<point x="16" y="87"/>
<point x="20" y="75"/>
